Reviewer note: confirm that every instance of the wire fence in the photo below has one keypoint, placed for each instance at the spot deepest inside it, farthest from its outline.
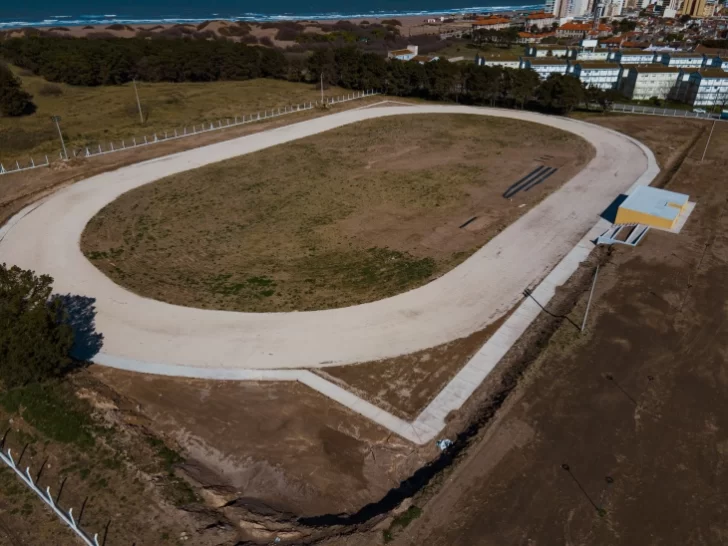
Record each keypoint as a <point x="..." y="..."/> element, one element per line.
<point x="47" y="498"/>
<point x="187" y="131"/>
<point x="670" y="112"/>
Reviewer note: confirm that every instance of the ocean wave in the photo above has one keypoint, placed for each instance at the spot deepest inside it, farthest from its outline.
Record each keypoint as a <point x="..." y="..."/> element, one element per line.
<point x="81" y="20"/>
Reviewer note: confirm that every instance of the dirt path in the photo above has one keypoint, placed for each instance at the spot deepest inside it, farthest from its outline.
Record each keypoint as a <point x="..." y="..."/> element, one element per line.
<point x="140" y="333"/>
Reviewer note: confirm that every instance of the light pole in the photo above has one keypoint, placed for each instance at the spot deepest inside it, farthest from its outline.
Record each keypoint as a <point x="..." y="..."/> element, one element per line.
<point x="139" y="104"/>
<point x="322" y="87"/>
<point x="56" y="120"/>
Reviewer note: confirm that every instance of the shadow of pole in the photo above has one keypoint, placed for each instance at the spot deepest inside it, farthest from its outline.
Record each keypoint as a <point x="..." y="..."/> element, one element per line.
<point x="5" y="437"/>
<point x="529" y="294"/>
<point x="60" y="489"/>
<point x="106" y="533"/>
<point x="83" y="509"/>
<point x="40" y="471"/>
<point x="17" y="463"/>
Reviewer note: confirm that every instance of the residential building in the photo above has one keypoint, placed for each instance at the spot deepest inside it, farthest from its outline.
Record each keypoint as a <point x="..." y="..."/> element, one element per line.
<point x="545" y="66"/>
<point x="491" y="23"/>
<point x="504" y="60"/>
<point x="709" y="9"/>
<point x="540" y="20"/>
<point x="683" y="59"/>
<point x="632" y="56"/>
<point x="644" y="82"/>
<point x="597" y="74"/>
<point x="707" y="87"/>
<point x="581" y="30"/>
<point x="548" y="51"/>
<point x="404" y="54"/>
<point x="693" y="8"/>
<point x="592" y="55"/>
<point x="613" y="8"/>
<point x="422" y="59"/>
<point x="529" y="38"/>
<point x="553" y="7"/>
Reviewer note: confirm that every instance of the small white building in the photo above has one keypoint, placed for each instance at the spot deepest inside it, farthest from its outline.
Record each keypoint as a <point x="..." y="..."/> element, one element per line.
<point x="548" y="51"/>
<point x="682" y="59"/>
<point x="632" y="56"/>
<point x="404" y="54"/>
<point x="504" y="60"/>
<point x="645" y="82"/>
<point x="491" y="23"/>
<point x="592" y="55"/>
<point x="545" y="66"/>
<point x="597" y="74"/>
<point x="708" y="87"/>
<point x="540" y="19"/>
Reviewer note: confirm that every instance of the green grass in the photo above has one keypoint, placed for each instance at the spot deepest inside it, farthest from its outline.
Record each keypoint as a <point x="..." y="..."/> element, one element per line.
<point x="401" y="521"/>
<point x="54" y="411"/>
<point x="93" y="115"/>
<point x="470" y="50"/>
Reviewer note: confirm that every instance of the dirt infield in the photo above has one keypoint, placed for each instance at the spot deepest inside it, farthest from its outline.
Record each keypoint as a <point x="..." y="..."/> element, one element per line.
<point x="343" y="218"/>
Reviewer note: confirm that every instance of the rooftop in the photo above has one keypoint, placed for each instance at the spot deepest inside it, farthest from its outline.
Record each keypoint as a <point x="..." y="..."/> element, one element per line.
<point x="491" y="21"/>
<point x="635" y="52"/>
<point x="647" y="69"/>
<point x="712" y="73"/>
<point x="655" y="202"/>
<point x="501" y="57"/>
<point x="401" y="52"/>
<point x="596" y="64"/>
<point x="540" y="15"/>
<point x="684" y="54"/>
<point x="546" y="61"/>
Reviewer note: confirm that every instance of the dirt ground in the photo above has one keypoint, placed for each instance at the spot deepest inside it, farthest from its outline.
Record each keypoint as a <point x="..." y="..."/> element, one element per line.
<point x="634" y="408"/>
<point x="346" y="217"/>
<point x="282" y="444"/>
<point x="406" y="384"/>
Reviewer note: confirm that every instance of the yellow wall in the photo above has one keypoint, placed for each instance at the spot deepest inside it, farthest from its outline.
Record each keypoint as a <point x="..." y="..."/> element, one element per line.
<point x="626" y="216"/>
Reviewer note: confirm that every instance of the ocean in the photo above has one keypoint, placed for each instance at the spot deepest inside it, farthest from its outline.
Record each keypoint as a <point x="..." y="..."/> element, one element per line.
<point x="107" y="12"/>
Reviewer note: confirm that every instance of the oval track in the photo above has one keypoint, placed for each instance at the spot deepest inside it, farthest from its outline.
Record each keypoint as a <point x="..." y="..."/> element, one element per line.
<point x="144" y="334"/>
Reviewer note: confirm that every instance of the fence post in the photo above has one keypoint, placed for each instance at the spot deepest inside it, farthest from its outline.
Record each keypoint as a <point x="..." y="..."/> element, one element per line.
<point x="2" y="169"/>
<point x="112" y="146"/>
<point x="134" y="140"/>
<point x="47" y="162"/>
<point x="32" y="163"/>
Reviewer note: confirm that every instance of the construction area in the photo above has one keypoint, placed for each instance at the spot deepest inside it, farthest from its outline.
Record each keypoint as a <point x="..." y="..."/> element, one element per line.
<point x="574" y="437"/>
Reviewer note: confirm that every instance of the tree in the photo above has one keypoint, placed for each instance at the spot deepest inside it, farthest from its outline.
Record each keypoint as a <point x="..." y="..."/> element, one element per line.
<point x="35" y="340"/>
<point x="561" y="93"/>
<point x="13" y="100"/>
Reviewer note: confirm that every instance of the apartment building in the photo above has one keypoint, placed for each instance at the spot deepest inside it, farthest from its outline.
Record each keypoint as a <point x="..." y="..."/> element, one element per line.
<point x="545" y="66"/>
<point x="644" y="82"/>
<point x="632" y="56"/>
<point x="707" y="87"/>
<point x="495" y="59"/>
<point x="548" y="51"/>
<point x="597" y="74"/>
<point x="592" y="55"/>
<point x="581" y="30"/>
<point x="682" y="59"/>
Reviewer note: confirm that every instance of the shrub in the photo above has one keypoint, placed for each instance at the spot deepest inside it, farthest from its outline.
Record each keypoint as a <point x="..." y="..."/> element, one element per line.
<point x="13" y="100"/>
<point x="391" y="23"/>
<point x="88" y="27"/>
<point x="34" y="339"/>
<point x="287" y="34"/>
<point x="266" y="41"/>
<point x="50" y="90"/>
<point x="116" y="27"/>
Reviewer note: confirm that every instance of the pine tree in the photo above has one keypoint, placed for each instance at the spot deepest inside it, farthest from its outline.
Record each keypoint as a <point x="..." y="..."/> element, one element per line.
<point x="13" y="100"/>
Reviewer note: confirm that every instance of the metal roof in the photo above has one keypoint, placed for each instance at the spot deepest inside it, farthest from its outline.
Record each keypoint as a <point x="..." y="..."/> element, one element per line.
<point x="655" y="202"/>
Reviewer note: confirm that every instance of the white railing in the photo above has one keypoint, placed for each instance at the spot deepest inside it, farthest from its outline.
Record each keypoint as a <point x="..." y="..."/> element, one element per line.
<point x="19" y="168"/>
<point x="655" y="111"/>
<point x="65" y="517"/>
<point x="187" y="131"/>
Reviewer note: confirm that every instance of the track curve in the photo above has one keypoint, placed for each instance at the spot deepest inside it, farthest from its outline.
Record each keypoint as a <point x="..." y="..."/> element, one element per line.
<point x="144" y="334"/>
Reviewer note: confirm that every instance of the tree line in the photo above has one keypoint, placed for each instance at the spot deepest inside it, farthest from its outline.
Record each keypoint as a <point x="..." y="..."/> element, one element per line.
<point x="117" y="61"/>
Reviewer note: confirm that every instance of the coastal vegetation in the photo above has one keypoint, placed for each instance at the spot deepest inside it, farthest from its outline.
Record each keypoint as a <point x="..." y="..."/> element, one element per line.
<point x="14" y="101"/>
<point x="118" y="61"/>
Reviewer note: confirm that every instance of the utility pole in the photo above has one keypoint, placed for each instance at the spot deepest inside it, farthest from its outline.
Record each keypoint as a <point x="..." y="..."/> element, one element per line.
<point x="139" y="104"/>
<point x="322" y="87"/>
<point x="56" y="120"/>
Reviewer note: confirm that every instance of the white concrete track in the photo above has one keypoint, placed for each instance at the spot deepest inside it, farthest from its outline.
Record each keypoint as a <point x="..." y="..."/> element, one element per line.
<point x="144" y="334"/>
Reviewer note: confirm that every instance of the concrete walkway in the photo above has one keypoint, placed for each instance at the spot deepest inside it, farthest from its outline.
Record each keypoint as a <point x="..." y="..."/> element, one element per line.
<point x="149" y="333"/>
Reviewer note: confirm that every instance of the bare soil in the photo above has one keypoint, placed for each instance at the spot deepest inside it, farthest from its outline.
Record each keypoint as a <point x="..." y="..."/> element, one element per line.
<point x="634" y="408"/>
<point x="405" y="385"/>
<point x="279" y="443"/>
<point x="346" y="217"/>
